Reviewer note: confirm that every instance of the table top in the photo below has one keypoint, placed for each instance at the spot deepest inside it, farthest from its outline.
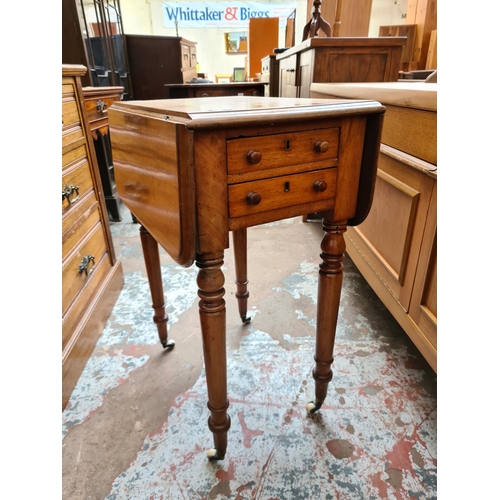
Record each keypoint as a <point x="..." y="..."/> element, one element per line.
<point x="409" y="94"/>
<point x="216" y="112"/>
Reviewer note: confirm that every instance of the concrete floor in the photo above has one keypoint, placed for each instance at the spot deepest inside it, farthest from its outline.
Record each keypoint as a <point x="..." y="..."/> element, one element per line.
<point x="136" y="423"/>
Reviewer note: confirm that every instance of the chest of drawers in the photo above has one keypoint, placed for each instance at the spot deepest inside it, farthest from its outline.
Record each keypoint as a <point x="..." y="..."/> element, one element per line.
<point x="97" y="102"/>
<point x="91" y="275"/>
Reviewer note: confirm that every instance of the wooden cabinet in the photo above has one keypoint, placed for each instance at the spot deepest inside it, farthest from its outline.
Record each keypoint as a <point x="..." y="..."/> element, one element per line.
<point x="188" y="90"/>
<point x="97" y="102"/>
<point x="270" y="74"/>
<point x="323" y="59"/>
<point x="92" y="276"/>
<point x="395" y="248"/>
<point x="158" y="60"/>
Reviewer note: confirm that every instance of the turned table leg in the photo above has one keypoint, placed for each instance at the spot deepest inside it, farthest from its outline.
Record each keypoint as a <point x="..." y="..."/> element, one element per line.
<point x="212" y="306"/>
<point x="240" y="264"/>
<point x="153" y="269"/>
<point x="329" y="288"/>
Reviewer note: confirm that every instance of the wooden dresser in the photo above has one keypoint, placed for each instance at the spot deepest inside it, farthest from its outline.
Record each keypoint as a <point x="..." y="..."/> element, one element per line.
<point x="157" y="60"/>
<point x="271" y="75"/>
<point x="92" y="276"/>
<point x="97" y="102"/>
<point x="340" y="59"/>
<point x="395" y="248"/>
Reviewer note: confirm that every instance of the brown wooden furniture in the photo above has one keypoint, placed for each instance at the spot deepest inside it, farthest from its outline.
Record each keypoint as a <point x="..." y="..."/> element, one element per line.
<point x="407" y="30"/>
<point x="92" y="276"/>
<point x="99" y="46"/>
<point x="189" y="90"/>
<point x="270" y="74"/>
<point x="158" y="60"/>
<point x="192" y="170"/>
<point x="97" y="102"/>
<point x="263" y="36"/>
<point x="324" y="59"/>
<point x="423" y="13"/>
<point x="347" y="18"/>
<point x="395" y="247"/>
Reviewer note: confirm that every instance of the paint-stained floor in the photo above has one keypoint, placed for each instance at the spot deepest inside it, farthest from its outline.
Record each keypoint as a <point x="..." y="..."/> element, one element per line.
<point x="136" y="424"/>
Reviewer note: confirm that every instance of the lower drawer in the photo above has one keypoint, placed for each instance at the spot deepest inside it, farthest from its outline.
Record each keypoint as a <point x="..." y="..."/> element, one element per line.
<point x="262" y="195"/>
<point x="78" y="270"/>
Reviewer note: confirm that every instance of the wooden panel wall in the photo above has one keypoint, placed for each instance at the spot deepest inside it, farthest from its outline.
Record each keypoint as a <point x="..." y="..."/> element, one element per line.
<point x="354" y="16"/>
<point x="423" y="13"/>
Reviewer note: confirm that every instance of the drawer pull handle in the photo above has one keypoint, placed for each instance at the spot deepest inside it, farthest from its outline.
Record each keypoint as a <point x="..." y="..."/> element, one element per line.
<point x="321" y="146"/>
<point x="204" y="94"/>
<point x="84" y="266"/>
<point x="254" y="157"/>
<point x="253" y="198"/>
<point x="320" y="186"/>
<point x="101" y="106"/>
<point x="68" y="191"/>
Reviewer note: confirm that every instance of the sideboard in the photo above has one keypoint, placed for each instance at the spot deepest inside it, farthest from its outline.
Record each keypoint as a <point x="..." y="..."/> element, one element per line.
<point x="395" y="248"/>
<point x="339" y="59"/>
<point x="187" y="90"/>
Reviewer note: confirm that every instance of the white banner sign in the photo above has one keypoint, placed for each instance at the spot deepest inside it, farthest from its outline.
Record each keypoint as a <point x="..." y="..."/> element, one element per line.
<point x="222" y="14"/>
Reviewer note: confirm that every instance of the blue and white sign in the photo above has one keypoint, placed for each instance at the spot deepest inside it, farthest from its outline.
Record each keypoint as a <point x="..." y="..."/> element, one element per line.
<point x="222" y="14"/>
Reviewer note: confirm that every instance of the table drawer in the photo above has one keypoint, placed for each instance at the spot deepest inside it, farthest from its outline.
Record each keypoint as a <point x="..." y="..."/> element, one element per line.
<point x="262" y="153"/>
<point x="258" y="196"/>
<point x="211" y="93"/>
<point x="75" y="184"/>
<point x="73" y="278"/>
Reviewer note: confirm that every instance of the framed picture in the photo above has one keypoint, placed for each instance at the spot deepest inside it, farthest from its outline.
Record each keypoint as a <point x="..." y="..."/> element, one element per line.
<point x="236" y="42"/>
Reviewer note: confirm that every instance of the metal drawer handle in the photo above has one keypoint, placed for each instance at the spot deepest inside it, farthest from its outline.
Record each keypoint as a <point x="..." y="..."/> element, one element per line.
<point x="84" y="265"/>
<point x="204" y="94"/>
<point x="68" y="191"/>
<point x="253" y="198"/>
<point x="254" y="157"/>
<point x="101" y="106"/>
<point x="320" y="186"/>
<point x="321" y="146"/>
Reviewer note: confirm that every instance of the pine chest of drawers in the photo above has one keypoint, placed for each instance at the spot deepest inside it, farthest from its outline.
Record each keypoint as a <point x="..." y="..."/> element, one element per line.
<point x="92" y="277"/>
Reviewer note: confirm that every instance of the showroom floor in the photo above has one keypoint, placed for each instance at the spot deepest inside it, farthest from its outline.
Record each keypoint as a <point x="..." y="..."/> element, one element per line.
<point x="136" y="424"/>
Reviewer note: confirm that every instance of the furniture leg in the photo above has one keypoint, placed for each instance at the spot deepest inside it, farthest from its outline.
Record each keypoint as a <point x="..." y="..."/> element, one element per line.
<point x="240" y="264"/>
<point x="153" y="269"/>
<point x="212" y="306"/>
<point x="329" y="288"/>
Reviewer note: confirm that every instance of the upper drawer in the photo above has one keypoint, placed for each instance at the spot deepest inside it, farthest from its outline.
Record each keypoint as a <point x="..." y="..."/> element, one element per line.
<point x="70" y="115"/>
<point x="97" y="108"/>
<point x="266" y="152"/>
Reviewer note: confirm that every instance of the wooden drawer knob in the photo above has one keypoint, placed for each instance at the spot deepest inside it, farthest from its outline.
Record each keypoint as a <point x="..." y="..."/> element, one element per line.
<point x="321" y="146"/>
<point x="320" y="186"/>
<point x="254" y="157"/>
<point x="253" y="198"/>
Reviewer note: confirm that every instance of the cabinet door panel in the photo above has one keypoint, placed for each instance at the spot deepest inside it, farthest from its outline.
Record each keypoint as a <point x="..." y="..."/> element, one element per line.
<point x="390" y="236"/>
